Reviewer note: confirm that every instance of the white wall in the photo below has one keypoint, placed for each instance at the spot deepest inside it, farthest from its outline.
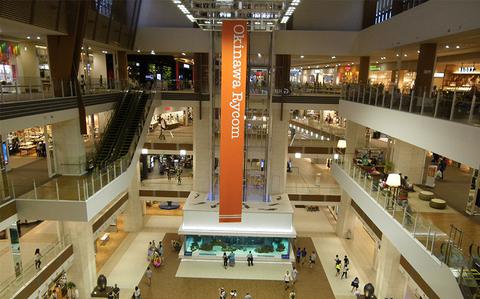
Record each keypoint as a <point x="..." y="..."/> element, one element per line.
<point x="437" y="275"/>
<point x="453" y="140"/>
<point x="99" y="68"/>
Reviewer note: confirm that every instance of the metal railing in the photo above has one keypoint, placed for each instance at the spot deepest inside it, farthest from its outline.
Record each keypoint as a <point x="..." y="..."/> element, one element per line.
<point x="13" y="283"/>
<point x="455" y="106"/>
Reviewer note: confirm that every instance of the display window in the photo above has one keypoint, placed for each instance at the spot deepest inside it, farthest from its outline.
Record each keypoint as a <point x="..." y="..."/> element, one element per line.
<point x="461" y="77"/>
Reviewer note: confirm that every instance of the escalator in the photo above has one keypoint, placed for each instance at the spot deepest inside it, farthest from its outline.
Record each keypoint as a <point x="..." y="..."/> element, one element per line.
<point x="123" y="128"/>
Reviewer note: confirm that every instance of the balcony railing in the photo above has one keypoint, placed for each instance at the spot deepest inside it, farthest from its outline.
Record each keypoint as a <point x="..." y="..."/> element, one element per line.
<point x="455" y="106"/>
<point x="428" y="235"/>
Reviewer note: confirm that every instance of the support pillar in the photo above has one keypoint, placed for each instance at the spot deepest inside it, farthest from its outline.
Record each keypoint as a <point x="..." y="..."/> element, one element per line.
<point x="46" y="140"/>
<point x="355" y="135"/>
<point x="122" y="69"/>
<point x="202" y="149"/>
<point x="28" y="72"/>
<point x="282" y="71"/>
<point x="389" y="279"/>
<point x="409" y="160"/>
<point x="83" y="271"/>
<point x="278" y="156"/>
<point x="134" y="211"/>
<point x="200" y="73"/>
<point x="425" y="68"/>
<point x="345" y="220"/>
<point x="363" y="70"/>
<point x="69" y="148"/>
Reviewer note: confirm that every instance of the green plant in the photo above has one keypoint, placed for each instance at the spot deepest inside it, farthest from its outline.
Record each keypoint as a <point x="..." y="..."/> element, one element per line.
<point x="265" y="249"/>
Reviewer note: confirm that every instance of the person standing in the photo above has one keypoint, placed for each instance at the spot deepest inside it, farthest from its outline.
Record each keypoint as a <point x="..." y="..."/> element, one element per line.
<point x="313" y="259"/>
<point x="304" y="255"/>
<point x="148" y="275"/>
<point x="346" y="261"/>
<point x="233" y="294"/>
<point x="298" y="255"/>
<point x="248" y="296"/>
<point x="225" y="260"/>
<point x="338" y="267"/>
<point x="345" y="271"/>
<point x="337" y="261"/>
<point x="222" y="293"/>
<point x="116" y="292"/>
<point x="355" y="283"/>
<point x="250" y="259"/>
<point x="38" y="258"/>
<point x="287" y="278"/>
<point x="136" y="293"/>
<point x="294" y="275"/>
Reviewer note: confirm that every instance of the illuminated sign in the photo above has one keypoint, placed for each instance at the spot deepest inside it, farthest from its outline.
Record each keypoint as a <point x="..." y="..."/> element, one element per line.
<point x="374" y="68"/>
<point x="467" y="70"/>
<point x="438" y="75"/>
<point x="233" y="89"/>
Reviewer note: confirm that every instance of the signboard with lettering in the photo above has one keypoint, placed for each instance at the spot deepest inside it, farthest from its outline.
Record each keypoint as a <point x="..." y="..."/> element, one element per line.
<point x="467" y="70"/>
<point x="233" y="89"/>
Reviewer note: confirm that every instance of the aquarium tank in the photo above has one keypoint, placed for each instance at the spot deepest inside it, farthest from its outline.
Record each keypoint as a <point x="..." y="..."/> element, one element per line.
<point x="265" y="247"/>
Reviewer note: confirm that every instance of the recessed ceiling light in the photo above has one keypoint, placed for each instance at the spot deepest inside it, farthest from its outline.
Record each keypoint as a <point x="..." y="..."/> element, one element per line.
<point x="405" y="55"/>
<point x="104" y="52"/>
<point x="89" y="48"/>
<point x="302" y="56"/>
<point x="333" y="57"/>
<point x="183" y="53"/>
<point x="353" y="63"/>
<point x="376" y="61"/>
<point x="418" y="51"/>
<point x="138" y="51"/>
<point x="397" y="55"/>
<point x="38" y="37"/>
<point x="28" y="37"/>
<point x="152" y="52"/>
<point x="447" y="46"/>
<point x="457" y="47"/>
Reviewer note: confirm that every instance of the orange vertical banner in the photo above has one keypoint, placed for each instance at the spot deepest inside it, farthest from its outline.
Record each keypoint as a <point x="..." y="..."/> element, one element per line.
<point x="233" y="96"/>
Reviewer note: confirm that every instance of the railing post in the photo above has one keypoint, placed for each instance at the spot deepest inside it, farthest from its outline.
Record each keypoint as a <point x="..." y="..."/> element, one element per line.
<point x="114" y="170"/>
<point x="101" y="181"/>
<point x="363" y="96"/>
<point x="404" y="215"/>
<point x="13" y="190"/>
<point x="1" y="92"/>
<point x="58" y="191"/>
<point x="370" y="95"/>
<point x="433" y="242"/>
<point x="452" y="109"/>
<point x="35" y="189"/>
<point x="401" y="102"/>
<point x="437" y="101"/>
<point x="376" y="96"/>
<point x="16" y="90"/>
<point x="71" y="87"/>
<point x="358" y="95"/>
<point x="78" y="190"/>
<point x="93" y="185"/>
<point x="472" y="107"/>
<point x="108" y="175"/>
<point x="415" y="225"/>
<point x="63" y="91"/>
<point x="30" y="90"/>
<point x="428" y="235"/>
<point x="423" y="102"/>
<point x="392" y="97"/>
<point x="412" y="95"/>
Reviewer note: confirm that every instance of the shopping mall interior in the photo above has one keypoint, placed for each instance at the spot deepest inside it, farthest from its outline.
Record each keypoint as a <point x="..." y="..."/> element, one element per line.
<point x="260" y="149"/>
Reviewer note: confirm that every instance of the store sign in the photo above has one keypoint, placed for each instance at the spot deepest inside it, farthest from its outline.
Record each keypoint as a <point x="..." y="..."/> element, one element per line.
<point x="234" y="75"/>
<point x="374" y="68"/>
<point x="438" y="75"/>
<point x="466" y="69"/>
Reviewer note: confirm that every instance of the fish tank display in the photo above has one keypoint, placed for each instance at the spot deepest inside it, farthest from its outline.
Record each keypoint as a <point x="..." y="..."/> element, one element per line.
<point x="265" y="247"/>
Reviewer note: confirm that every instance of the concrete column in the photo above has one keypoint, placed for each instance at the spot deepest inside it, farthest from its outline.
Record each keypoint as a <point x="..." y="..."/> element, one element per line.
<point x="47" y="149"/>
<point x="363" y="69"/>
<point x="69" y="147"/>
<point x="28" y="71"/>
<point x="425" y="68"/>
<point x="200" y="72"/>
<point x="202" y="149"/>
<point x="134" y="211"/>
<point x="345" y="221"/>
<point x="389" y="280"/>
<point x="409" y="160"/>
<point x="122" y="68"/>
<point x="278" y="155"/>
<point x="83" y="271"/>
<point x="355" y="135"/>
<point x="282" y="68"/>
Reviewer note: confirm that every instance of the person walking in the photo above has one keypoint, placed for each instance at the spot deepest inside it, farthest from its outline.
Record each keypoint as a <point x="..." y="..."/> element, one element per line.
<point x="233" y="294"/>
<point x="38" y="258"/>
<point x="294" y="275"/>
<point x="292" y="295"/>
<point x="225" y="260"/>
<point x="338" y="267"/>
<point x="337" y="261"/>
<point x="355" y="283"/>
<point x="250" y="259"/>
<point x="286" y="279"/>
<point x="248" y="296"/>
<point x="298" y="255"/>
<point x="222" y="293"/>
<point x="313" y="259"/>
<point x="116" y="292"/>
<point x="148" y="275"/>
<point x="136" y="293"/>
<point x="346" y="261"/>
<point x="304" y="255"/>
<point x="345" y="271"/>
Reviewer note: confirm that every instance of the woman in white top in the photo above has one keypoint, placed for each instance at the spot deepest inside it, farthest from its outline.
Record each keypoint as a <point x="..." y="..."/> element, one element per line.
<point x="287" y="278"/>
<point x="38" y="258"/>
<point x="136" y="293"/>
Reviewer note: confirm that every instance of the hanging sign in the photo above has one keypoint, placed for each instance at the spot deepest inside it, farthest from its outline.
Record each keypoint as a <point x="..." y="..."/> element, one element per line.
<point x="234" y="75"/>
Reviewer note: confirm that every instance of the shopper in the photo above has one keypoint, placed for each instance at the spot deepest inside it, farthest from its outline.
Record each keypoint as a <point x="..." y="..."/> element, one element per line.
<point x="116" y="292"/>
<point x="287" y="278"/>
<point x="292" y="295"/>
<point x="136" y="293"/>
<point x="298" y="255"/>
<point x="38" y="258"/>
<point x="250" y="258"/>
<point x="313" y="259"/>
<point x="222" y="293"/>
<point x="304" y="255"/>
<point x="233" y="294"/>
<point x="338" y="267"/>
<point x="160" y="250"/>
<point x="82" y="83"/>
<point x="248" y="296"/>
<point x="346" y="261"/>
<point x="294" y="275"/>
<point x="355" y="283"/>
<point x="345" y="271"/>
<point x="225" y="260"/>
<point x="148" y="275"/>
<point x="337" y="261"/>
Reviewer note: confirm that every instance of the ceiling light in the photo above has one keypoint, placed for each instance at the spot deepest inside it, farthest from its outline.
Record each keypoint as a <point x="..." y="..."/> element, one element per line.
<point x="298" y="155"/>
<point x="405" y="55"/>
<point x="302" y="56"/>
<point x="138" y="51"/>
<point x="333" y="57"/>
<point x="353" y="63"/>
<point x="183" y="54"/>
<point x="457" y="47"/>
<point x="38" y="37"/>
<point x="259" y="55"/>
<point x="397" y="55"/>
<point x="376" y="61"/>
<point x="104" y="52"/>
<point x="152" y="52"/>
<point x="28" y="37"/>
<point x="418" y="51"/>
<point x="137" y="64"/>
<point x="284" y="20"/>
<point x="447" y="46"/>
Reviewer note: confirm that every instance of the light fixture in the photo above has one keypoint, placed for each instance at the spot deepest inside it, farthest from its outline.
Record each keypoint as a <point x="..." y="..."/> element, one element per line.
<point x="144" y="151"/>
<point x="152" y="52"/>
<point x="89" y="48"/>
<point x="298" y="155"/>
<point x="104" y="52"/>
<point x="137" y="64"/>
<point x="447" y="46"/>
<point x="342" y="143"/>
<point x="25" y="48"/>
<point x="183" y="152"/>
<point x="259" y="55"/>
<point x="302" y="56"/>
<point x="335" y="156"/>
<point x="82" y="47"/>
<point x="398" y="55"/>
<point x="457" y="47"/>
<point x="29" y="37"/>
<point x="405" y="55"/>
<point x="333" y="57"/>
<point x="376" y="61"/>
<point x="183" y="54"/>
<point x="321" y="138"/>
<point x="38" y="37"/>
<point x="394" y="180"/>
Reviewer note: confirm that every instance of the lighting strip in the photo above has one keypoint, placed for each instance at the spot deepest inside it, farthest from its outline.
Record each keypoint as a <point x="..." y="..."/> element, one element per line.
<point x="290" y="10"/>
<point x="184" y="9"/>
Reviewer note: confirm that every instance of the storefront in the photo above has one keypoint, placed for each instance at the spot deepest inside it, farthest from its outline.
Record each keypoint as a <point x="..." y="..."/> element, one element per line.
<point x="347" y="74"/>
<point x="387" y="74"/>
<point x="457" y="77"/>
<point x="8" y="66"/>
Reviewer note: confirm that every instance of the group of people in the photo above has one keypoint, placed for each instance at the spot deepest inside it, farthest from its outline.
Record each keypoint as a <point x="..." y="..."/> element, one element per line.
<point x="229" y="260"/>
<point x="233" y="294"/>
<point x="301" y="257"/>
<point x="342" y="271"/>
<point x="155" y="253"/>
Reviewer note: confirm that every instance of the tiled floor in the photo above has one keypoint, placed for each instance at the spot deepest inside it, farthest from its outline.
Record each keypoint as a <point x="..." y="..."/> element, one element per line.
<point x="105" y="250"/>
<point x="302" y="179"/>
